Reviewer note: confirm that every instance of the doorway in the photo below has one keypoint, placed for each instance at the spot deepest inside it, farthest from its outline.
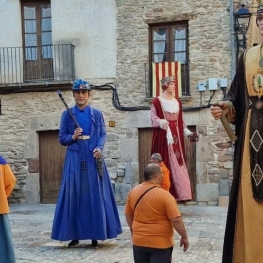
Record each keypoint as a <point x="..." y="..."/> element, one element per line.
<point x="51" y="160"/>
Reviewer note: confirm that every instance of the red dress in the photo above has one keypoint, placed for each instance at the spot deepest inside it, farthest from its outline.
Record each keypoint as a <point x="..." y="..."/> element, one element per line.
<point x="172" y="153"/>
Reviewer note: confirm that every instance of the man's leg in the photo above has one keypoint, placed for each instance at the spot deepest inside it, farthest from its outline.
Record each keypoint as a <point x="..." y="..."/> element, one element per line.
<point x="158" y="255"/>
<point x="141" y="254"/>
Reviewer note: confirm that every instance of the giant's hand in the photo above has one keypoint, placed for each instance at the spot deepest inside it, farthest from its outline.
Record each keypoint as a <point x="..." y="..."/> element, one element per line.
<point x="77" y="133"/>
<point x="97" y="153"/>
<point x="193" y="137"/>
<point x="218" y="111"/>
<point x="163" y="124"/>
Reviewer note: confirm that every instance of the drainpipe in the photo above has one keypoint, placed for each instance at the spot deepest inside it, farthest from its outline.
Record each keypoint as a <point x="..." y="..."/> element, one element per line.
<point x="232" y="30"/>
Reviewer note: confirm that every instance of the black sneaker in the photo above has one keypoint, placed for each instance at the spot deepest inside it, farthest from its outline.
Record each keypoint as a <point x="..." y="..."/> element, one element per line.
<point x="94" y="243"/>
<point x="73" y="243"/>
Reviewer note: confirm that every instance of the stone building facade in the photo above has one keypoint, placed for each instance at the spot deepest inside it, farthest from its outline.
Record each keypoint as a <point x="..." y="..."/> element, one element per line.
<point x="111" y="45"/>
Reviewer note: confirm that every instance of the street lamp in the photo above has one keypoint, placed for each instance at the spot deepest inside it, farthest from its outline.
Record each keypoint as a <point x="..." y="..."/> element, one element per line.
<point x="242" y="19"/>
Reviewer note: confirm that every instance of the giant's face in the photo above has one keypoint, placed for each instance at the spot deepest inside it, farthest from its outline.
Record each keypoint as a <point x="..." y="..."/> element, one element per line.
<point x="260" y="23"/>
<point x="171" y="87"/>
<point x="81" y="97"/>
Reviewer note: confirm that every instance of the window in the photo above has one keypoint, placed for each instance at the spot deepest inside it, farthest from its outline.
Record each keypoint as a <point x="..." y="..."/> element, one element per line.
<point x="168" y="43"/>
<point x="37" y="39"/>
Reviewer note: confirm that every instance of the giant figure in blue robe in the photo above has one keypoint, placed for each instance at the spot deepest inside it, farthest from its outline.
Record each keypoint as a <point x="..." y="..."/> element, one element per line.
<point x="86" y="207"/>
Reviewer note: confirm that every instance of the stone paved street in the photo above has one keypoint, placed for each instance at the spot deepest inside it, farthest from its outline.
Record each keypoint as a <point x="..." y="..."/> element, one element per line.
<point x="31" y="226"/>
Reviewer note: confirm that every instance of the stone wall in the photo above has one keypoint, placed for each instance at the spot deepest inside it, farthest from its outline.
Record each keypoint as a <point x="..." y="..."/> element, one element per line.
<point x="209" y="39"/>
<point x="210" y="56"/>
<point x="15" y="137"/>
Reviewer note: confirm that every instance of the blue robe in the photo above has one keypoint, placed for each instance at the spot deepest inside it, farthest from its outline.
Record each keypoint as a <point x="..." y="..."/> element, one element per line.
<point x="7" y="253"/>
<point x="86" y="207"/>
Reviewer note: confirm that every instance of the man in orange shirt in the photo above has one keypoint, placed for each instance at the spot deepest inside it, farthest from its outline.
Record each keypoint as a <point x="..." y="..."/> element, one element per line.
<point x="157" y="158"/>
<point x="7" y="183"/>
<point x="152" y="215"/>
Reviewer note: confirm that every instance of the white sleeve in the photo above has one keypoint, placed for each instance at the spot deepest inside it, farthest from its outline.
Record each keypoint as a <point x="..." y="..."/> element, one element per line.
<point x="162" y="122"/>
<point x="187" y="132"/>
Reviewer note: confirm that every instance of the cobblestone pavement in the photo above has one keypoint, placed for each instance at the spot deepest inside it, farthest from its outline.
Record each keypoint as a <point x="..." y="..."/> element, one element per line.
<point x="31" y="227"/>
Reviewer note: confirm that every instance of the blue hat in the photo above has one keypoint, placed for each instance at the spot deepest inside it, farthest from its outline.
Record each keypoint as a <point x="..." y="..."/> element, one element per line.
<point x="81" y="84"/>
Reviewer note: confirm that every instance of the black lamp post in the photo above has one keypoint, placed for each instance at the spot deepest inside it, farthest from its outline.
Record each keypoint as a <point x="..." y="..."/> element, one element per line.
<point x="242" y="19"/>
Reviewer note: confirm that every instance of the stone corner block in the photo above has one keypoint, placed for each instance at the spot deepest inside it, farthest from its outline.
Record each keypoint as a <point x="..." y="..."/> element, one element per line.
<point x="128" y="150"/>
<point x="122" y="190"/>
<point x="223" y="201"/>
<point x="120" y="173"/>
<point x="31" y="146"/>
<point x="224" y="187"/>
<point x="32" y="189"/>
<point x="135" y="120"/>
<point x="208" y="192"/>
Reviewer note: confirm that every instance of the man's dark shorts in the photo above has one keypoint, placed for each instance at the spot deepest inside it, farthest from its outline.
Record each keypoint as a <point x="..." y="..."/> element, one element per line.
<point x="152" y="255"/>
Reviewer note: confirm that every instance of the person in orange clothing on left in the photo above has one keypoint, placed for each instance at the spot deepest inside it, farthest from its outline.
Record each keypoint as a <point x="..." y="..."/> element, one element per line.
<point x="7" y="184"/>
<point x="157" y="158"/>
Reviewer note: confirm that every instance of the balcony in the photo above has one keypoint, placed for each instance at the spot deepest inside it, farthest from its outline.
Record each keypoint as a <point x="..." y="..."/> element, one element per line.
<point x="36" y="66"/>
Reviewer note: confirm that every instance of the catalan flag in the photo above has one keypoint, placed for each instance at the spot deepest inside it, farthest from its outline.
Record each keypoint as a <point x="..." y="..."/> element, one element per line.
<point x="165" y="69"/>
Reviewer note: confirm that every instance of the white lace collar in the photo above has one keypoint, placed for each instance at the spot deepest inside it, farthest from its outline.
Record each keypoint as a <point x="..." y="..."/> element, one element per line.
<point x="171" y="106"/>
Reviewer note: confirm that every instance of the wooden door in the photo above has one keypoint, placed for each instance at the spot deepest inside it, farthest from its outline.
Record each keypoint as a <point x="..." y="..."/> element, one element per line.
<point x="37" y="39"/>
<point x="190" y="156"/>
<point x="145" y="144"/>
<point x="51" y="160"/>
<point x="145" y="141"/>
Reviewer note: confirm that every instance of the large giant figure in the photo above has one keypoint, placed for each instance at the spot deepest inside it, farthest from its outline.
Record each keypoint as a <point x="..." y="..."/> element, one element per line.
<point x="169" y="131"/>
<point x="243" y="106"/>
<point x="86" y="208"/>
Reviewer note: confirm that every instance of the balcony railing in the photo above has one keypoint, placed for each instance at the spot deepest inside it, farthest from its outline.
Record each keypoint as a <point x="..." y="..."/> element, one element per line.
<point x="24" y="65"/>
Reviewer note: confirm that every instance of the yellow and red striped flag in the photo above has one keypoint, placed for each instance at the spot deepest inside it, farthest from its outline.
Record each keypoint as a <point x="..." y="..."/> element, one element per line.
<point x="166" y="69"/>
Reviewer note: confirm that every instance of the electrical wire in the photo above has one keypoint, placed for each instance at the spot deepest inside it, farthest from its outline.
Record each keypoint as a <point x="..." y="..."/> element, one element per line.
<point x="115" y="98"/>
<point x="209" y="102"/>
<point x="224" y="92"/>
<point x="117" y="105"/>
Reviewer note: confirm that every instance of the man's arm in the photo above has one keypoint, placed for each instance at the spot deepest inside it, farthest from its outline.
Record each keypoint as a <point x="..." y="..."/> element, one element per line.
<point x="166" y="179"/>
<point x="178" y="225"/>
<point x="128" y="211"/>
<point x="102" y="133"/>
<point x="9" y="179"/>
<point x="65" y="135"/>
<point x="129" y="220"/>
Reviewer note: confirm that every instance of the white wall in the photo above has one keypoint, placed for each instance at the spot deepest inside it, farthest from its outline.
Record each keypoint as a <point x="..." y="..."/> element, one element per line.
<point x="11" y="36"/>
<point x="73" y="22"/>
<point x="89" y="25"/>
<point x="10" y="23"/>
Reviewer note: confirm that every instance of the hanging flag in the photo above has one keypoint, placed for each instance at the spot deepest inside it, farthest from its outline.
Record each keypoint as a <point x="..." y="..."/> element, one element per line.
<point x="165" y="69"/>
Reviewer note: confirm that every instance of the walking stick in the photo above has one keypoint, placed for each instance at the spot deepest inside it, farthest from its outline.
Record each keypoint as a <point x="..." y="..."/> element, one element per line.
<point x="227" y="127"/>
<point x="68" y="109"/>
<point x="99" y="162"/>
